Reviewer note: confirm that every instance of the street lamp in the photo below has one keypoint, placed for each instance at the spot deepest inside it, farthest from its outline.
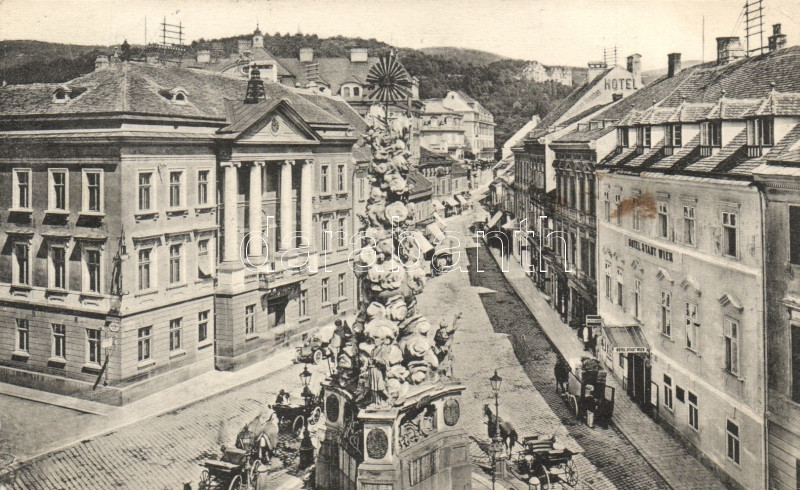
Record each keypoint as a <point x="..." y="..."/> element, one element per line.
<point x="306" y="446"/>
<point x="497" y="443"/>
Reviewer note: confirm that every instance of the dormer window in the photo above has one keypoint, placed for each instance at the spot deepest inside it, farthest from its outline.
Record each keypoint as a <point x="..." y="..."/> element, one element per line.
<point x="761" y="131"/>
<point x="356" y="91"/>
<point x="179" y="97"/>
<point x="176" y="96"/>
<point x="61" y="95"/>
<point x="642" y="137"/>
<point x="674" y="135"/>
<point x="711" y="134"/>
<point x="622" y="138"/>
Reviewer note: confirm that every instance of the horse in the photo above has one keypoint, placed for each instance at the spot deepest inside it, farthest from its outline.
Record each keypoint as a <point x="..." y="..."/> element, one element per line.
<point x="508" y="434"/>
<point x="262" y="431"/>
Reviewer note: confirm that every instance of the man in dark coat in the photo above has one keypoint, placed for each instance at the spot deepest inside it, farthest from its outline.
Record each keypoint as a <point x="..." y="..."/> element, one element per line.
<point x="561" y="371"/>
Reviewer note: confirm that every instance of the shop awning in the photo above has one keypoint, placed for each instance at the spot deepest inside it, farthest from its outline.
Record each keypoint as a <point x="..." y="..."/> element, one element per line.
<point x="510" y="224"/>
<point x="494" y="219"/>
<point x="437" y="204"/>
<point x="626" y="340"/>
<point x="439" y="221"/>
<point x="451" y="202"/>
<point x="423" y="243"/>
<point x="434" y="232"/>
<point x="461" y="199"/>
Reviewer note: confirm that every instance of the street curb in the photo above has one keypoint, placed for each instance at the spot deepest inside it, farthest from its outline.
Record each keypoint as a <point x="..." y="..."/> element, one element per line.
<point x="74" y="404"/>
<point x="622" y="431"/>
<point x="180" y="406"/>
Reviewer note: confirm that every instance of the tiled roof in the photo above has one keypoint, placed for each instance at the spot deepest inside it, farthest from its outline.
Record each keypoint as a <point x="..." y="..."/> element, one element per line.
<point x="428" y="157"/>
<point x="335" y="71"/>
<point x="540" y="130"/>
<point x="136" y="88"/>
<point x="419" y="184"/>
<point x="586" y="136"/>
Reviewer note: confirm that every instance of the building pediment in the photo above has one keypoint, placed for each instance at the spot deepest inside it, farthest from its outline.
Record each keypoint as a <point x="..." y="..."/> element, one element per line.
<point x="270" y="121"/>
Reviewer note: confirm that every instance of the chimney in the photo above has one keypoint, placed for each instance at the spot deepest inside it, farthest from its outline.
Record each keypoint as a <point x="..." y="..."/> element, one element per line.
<point x="673" y="64"/>
<point x="635" y="67"/>
<point x="358" y="55"/>
<point x="255" y="88"/>
<point x="595" y="69"/>
<point x="101" y="63"/>
<point x="306" y="55"/>
<point x="777" y="40"/>
<point x="204" y="56"/>
<point x="729" y="49"/>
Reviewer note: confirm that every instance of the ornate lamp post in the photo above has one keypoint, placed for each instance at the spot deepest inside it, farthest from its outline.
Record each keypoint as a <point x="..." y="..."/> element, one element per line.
<point x="306" y="446"/>
<point x="497" y="443"/>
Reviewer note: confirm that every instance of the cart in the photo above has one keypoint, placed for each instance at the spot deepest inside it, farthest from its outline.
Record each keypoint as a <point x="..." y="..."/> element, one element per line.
<point x="235" y="470"/>
<point x="296" y="415"/>
<point x="587" y="388"/>
<point x="549" y="462"/>
<point x="315" y="348"/>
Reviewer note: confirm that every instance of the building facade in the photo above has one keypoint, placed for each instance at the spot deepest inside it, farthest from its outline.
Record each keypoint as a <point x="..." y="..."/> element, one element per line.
<point x="457" y="119"/>
<point x="123" y="234"/>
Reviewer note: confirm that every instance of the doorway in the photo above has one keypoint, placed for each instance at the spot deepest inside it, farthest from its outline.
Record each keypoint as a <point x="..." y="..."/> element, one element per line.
<point x="276" y="311"/>
<point x="639" y="380"/>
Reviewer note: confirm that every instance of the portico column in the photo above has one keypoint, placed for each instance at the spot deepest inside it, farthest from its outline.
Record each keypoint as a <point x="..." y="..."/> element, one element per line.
<point x="231" y="226"/>
<point x="287" y="211"/>
<point x="255" y="245"/>
<point x="306" y="201"/>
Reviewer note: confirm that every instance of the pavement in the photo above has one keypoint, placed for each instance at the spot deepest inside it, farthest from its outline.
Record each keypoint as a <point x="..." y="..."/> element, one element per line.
<point x="665" y="454"/>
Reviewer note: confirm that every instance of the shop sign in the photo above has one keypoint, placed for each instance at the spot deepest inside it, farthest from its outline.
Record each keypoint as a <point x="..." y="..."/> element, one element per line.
<point x="652" y="250"/>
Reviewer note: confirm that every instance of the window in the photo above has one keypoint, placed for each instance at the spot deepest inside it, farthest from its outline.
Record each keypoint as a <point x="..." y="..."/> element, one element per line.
<point x="729" y="234"/>
<point x="346" y="91"/>
<point x="689" y="235"/>
<point x="202" y="326"/>
<point x="356" y="91"/>
<point x="144" y="268"/>
<point x="250" y="319"/>
<point x="731" y="332"/>
<point x="637" y="286"/>
<point x="666" y="313"/>
<point x="144" y="343"/>
<point x="58" y="267"/>
<point x="341" y="233"/>
<point x="619" y="291"/>
<point x="643" y="136"/>
<point x="680" y="395"/>
<point x="175" y="189"/>
<point x="673" y="135"/>
<point x="606" y="206"/>
<point x="93" y="191"/>
<point x="204" y="265"/>
<point x="22" y="189"/>
<point x="92" y="346"/>
<point x="324" y="290"/>
<point x="175" y="334"/>
<point x="733" y="441"/>
<point x="618" y="211"/>
<point x="622" y="137"/>
<point x="668" y="392"/>
<point x="23" y="332"/>
<point x="202" y="187"/>
<point x="694" y="413"/>
<point x="58" y="190"/>
<point x="303" y="303"/>
<point x="711" y="133"/>
<point x="663" y="220"/>
<point x="692" y="326"/>
<point x="342" y="293"/>
<point x="761" y="132"/>
<point x="92" y="259"/>
<point x="794" y="234"/>
<point x="22" y="263"/>
<point x="59" y="341"/>
<point x="637" y="218"/>
<point x="608" y="282"/>
<point x="145" y="191"/>
<point x="175" y="263"/>
<point x="323" y="182"/>
<point x="340" y="181"/>
<point x="325" y="234"/>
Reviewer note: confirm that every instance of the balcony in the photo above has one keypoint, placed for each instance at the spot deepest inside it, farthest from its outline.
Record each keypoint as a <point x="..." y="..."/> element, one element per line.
<point x="753" y="151"/>
<point x="706" y="151"/>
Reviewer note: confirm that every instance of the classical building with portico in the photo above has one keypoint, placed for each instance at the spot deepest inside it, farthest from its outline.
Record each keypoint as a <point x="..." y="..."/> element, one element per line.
<point x="129" y="197"/>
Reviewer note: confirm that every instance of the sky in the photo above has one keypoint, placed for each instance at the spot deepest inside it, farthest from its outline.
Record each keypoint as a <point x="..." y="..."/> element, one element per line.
<point x="566" y="32"/>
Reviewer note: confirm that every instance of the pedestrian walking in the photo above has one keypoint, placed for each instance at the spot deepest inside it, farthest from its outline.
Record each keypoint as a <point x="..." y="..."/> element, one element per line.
<point x="561" y="371"/>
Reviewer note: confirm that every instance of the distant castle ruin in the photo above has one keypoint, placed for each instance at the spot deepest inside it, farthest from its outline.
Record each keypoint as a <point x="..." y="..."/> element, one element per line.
<point x="539" y="73"/>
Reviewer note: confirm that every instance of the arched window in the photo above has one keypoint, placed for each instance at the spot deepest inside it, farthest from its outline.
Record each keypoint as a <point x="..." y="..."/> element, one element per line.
<point x="346" y="91"/>
<point x="356" y="92"/>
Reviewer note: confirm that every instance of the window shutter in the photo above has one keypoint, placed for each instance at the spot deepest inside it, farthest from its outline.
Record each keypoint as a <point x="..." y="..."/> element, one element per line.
<point x="716" y="236"/>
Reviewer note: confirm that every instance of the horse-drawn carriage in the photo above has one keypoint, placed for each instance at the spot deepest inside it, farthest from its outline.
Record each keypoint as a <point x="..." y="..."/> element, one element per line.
<point x="295" y="415"/>
<point x="238" y="467"/>
<point x="587" y="391"/>
<point x="544" y="462"/>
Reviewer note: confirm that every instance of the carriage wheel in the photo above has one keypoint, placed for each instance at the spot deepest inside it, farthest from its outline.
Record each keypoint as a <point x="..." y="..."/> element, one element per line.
<point x="573" y="405"/>
<point x="315" y="416"/>
<point x="253" y="477"/>
<point x="318" y="356"/>
<point x="571" y="470"/>
<point x="544" y="480"/>
<point x="204" y="480"/>
<point x="297" y="426"/>
<point x="236" y="483"/>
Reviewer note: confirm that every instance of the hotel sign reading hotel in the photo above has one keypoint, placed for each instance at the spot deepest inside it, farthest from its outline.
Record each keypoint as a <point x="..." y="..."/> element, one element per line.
<point x="650" y="249"/>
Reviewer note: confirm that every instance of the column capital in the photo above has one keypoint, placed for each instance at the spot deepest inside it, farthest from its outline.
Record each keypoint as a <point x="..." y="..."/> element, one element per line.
<point x="288" y="162"/>
<point x="308" y="161"/>
<point x="258" y="163"/>
<point x="230" y="164"/>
